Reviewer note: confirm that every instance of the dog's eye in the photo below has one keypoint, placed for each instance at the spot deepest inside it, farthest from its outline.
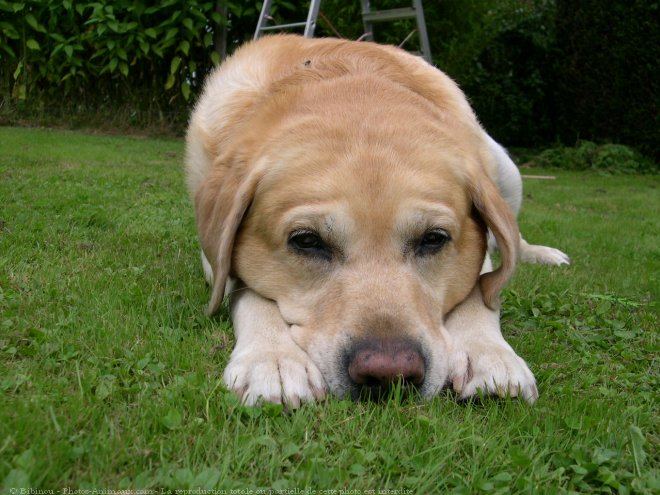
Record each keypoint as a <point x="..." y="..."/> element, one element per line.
<point x="432" y="242"/>
<point x="309" y="243"/>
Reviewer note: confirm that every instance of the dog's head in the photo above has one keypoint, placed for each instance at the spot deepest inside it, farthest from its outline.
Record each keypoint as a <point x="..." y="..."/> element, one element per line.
<point x="362" y="212"/>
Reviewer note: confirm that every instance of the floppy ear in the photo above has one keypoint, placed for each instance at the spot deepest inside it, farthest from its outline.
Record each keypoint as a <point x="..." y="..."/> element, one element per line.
<point x="500" y="220"/>
<point x="220" y="203"/>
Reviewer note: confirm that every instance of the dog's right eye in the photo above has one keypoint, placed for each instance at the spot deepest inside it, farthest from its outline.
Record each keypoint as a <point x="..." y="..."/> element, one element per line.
<point x="432" y="242"/>
<point x="309" y="243"/>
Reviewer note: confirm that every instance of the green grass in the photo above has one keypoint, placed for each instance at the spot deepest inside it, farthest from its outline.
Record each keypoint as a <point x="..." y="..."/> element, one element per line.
<point x="110" y="373"/>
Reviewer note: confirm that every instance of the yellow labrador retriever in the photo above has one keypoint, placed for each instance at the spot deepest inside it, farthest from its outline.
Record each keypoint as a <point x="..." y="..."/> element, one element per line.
<point x="344" y="194"/>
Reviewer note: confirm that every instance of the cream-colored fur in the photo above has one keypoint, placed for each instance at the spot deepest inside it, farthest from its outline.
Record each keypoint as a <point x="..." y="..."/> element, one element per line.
<point x="366" y="148"/>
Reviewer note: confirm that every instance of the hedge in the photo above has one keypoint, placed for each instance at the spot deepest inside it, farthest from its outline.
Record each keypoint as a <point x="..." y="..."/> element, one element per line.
<point x="608" y="71"/>
<point x="536" y="71"/>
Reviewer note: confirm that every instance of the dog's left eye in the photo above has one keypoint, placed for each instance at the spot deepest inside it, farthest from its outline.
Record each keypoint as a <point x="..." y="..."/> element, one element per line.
<point x="309" y="243"/>
<point x="432" y="242"/>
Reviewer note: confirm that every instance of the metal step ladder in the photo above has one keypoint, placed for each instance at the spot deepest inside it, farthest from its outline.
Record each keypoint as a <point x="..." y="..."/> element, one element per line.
<point x="416" y="11"/>
<point x="310" y="23"/>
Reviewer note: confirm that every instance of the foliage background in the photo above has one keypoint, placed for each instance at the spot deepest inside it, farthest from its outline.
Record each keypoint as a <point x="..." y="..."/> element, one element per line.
<point x="536" y="71"/>
<point x="608" y="81"/>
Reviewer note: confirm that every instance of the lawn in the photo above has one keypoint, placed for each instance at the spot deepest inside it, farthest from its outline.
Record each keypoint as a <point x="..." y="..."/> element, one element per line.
<point x="110" y="372"/>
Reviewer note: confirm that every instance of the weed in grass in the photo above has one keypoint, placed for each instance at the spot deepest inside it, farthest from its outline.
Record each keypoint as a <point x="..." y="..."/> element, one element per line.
<point x="111" y="374"/>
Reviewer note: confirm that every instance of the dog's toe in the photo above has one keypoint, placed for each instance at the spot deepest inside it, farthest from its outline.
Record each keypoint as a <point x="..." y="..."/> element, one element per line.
<point x="493" y="369"/>
<point x="285" y="377"/>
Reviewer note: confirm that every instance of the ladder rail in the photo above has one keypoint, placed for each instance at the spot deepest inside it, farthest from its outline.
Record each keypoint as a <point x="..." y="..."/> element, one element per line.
<point x="263" y="18"/>
<point x="312" y="15"/>
<point x="423" y="34"/>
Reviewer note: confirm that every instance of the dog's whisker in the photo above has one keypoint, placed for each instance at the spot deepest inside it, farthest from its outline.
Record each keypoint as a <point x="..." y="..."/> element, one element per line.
<point x="239" y="289"/>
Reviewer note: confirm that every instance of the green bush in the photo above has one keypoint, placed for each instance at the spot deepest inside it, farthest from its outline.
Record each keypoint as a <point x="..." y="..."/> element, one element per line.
<point x="610" y="158"/>
<point x="502" y="58"/>
<point x="65" y="57"/>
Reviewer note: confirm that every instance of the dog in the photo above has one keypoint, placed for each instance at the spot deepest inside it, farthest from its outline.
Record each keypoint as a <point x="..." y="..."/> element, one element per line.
<point x="345" y="195"/>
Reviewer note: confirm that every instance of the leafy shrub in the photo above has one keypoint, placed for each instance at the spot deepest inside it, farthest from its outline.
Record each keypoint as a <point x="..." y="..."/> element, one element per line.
<point x="65" y="57"/>
<point x="115" y="43"/>
<point x="611" y="158"/>
<point x="607" y="68"/>
<point x="501" y="54"/>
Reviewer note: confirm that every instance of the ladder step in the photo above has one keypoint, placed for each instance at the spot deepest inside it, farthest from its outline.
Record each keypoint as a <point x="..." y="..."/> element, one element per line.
<point x="282" y="26"/>
<point x="389" y="15"/>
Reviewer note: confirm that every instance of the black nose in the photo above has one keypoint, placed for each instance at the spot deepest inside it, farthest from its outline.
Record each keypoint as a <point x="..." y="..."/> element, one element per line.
<point x="374" y="366"/>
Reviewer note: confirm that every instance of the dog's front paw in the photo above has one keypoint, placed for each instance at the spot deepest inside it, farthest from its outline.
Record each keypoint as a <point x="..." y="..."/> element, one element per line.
<point x="282" y="376"/>
<point x="493" y="368"/>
